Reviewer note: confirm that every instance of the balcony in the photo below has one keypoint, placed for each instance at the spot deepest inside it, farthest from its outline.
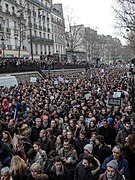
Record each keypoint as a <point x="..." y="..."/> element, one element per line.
<point x="42" y="40"/>
<point x="61" y="23"/>
<point x="41" y="5"/>
<point x="40" y="27"/>
<point x="49" y="41"/>
<point x="35" y="26"/>
<point x="14" y="2"/>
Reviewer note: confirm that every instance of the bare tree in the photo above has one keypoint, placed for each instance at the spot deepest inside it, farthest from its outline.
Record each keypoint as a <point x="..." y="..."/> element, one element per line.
<point x="91" y="44"/>
<point x="74" y="34"/>
<point x="125" y="16"/>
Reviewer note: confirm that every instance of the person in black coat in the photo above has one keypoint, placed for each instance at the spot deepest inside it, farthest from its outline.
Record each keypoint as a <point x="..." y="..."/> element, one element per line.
<point x="58" y="171"/>
<point x="108" y="132"/>
<point x="80" y="142"/>
<point x="87" y="169"/>
<point x="35" y="130"/>
<point x="46" y="143"/>
<point x="129" y="151"/>
<point x="101" y="151"/>
<point x="5" y="153"/>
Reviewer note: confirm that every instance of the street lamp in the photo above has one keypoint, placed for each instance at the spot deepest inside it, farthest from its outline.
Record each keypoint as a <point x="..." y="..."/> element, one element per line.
<point x="3" y="45"/>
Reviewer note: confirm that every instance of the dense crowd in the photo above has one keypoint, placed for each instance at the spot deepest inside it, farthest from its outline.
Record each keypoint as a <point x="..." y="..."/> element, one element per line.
<point x="63" y="128"/>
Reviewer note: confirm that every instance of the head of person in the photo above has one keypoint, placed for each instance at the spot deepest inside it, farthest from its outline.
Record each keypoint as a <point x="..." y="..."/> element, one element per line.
<point x="103" y="111"/>
<point x="36" y="146"/>
<point x="116" y="152"/>
<point x="31" y="153"/>
<point x="53" y="124"/>
<point x="45" y="119"/>
<point x="116" y="108"/>
<point x="100" y="140"/>
<point x="131" y="142"/>
<point x="49" y="132"/>
<point x="59" y="139"/>
<point x="104" y="122"/>
<point x="88" y="160"/>
<point x="18" y="165"/>
<point x="5" y="173"/>
<point x="129" y="109"/>
<point x="38" y="122"/>
<point x="111" y="169"/>
<point x="66" y="145"/>
<point x="64" y="132"/>
<point x="52" y="155"/>
<point x="71" y="123"/>
<point x="127" y="124"/>
<point x="93" y="136"/>
<point x="82" y="135"/>
<point x="69" y="134"/>
<point x="88" y="149"/>
<point x="35" y="169"/>
<point x="110" y="120"/>
<point x="43" y="133"/>
<point x="58" y="163"/>
<point x="7" y="137"/>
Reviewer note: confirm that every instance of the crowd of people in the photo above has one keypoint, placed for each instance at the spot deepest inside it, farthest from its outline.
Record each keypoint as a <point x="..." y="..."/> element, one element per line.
<point x="10" y="65"/>
<point x="63" y="128"/>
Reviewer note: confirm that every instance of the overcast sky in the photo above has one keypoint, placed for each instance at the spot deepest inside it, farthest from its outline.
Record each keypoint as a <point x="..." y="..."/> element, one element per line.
<point x="97" y="14"/>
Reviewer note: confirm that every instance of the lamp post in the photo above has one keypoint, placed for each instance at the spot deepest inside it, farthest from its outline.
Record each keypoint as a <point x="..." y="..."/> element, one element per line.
<point x="3" y="45"/>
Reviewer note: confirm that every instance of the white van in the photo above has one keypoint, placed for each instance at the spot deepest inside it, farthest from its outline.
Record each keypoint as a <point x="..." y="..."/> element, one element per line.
<point x="8" y="81"/>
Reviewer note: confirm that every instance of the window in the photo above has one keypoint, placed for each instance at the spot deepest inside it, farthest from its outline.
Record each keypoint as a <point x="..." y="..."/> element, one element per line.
<point x="6" y="7"/>
<point x="7" y="23"/>
<point x="16" y="42"/>
<point x="35" y="33"/>
<point x="13" y="10"/>
<point x="15" y="25"/>
<point x="36" y="48"/>
<point x="39" y="23"/>
<point x="40" y="34"/>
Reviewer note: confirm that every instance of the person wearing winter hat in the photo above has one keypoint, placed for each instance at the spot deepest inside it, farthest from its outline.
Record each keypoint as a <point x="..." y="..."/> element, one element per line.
<point x="113" y="164"/>
<point x="110" y="121"/>
<point x="89" y="148"/>
<point x="111" y="172"/>
<point x="88" y="151"/>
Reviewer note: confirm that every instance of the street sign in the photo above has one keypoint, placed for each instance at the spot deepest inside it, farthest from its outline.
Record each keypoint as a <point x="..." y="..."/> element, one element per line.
<point x="114" y="101"/>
